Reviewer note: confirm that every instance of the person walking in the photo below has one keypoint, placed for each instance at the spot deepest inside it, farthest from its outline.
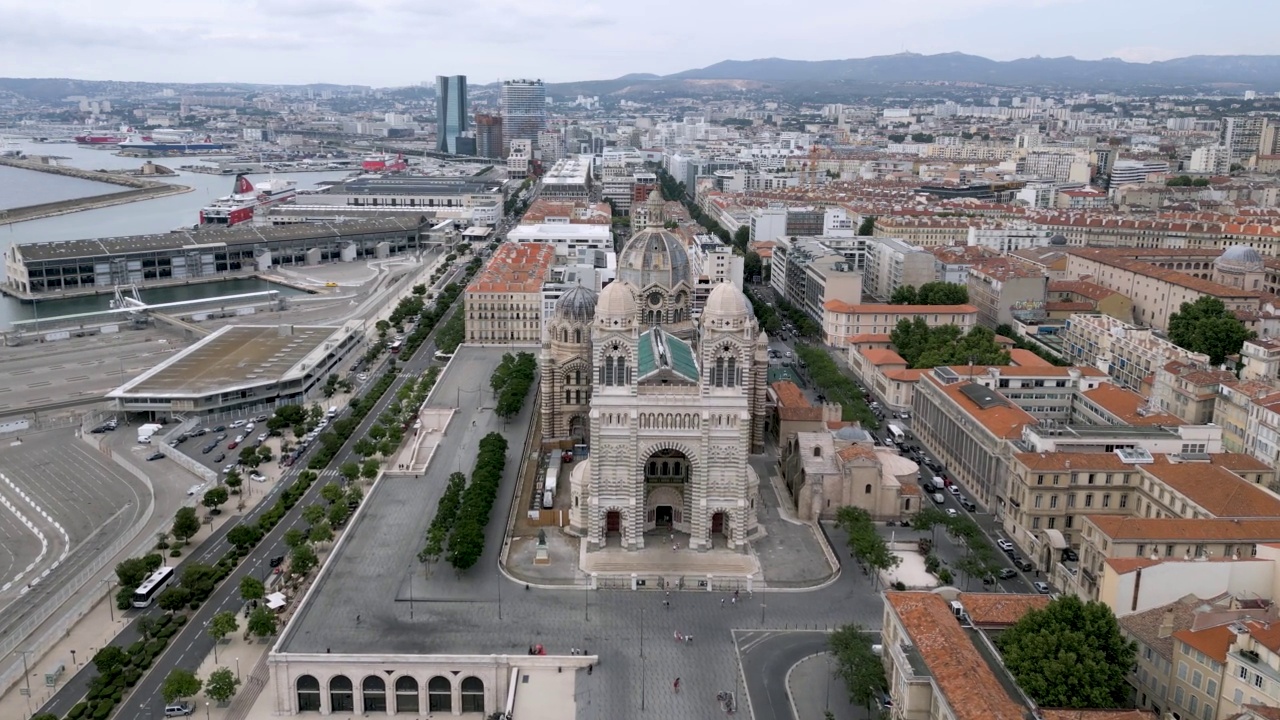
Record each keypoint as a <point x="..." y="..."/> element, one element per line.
<point x="676" y="686"/>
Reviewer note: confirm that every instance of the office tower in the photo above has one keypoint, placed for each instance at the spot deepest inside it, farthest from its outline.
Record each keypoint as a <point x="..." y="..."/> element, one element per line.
<point x="524" y="111"/>
<point x="451" y="111"/>
<point x="488" y="136"/>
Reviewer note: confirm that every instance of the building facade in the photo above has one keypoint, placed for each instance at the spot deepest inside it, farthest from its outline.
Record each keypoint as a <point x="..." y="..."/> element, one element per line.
<point x="524" y="111"/>
<point x="503" y="304"/>
<point x="488" y="136"/>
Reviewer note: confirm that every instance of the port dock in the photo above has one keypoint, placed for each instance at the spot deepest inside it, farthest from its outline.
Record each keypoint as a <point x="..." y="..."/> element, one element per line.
<point x="139" y="189"/>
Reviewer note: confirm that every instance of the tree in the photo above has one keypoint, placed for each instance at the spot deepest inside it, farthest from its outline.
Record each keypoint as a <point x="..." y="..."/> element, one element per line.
<point x="369" y="469"/>
<point x="321" y="533"/>
<point x="365" y="447"/>
<point x="1207" y="326"/>
<point x="146" y="627"/>
<point x="302" y="559"/>
<point x="251" y="588"/>
<point x="262" y="622"/>
<point x="929" y="518"/>
<point x="214" y="497"/>
<point x="313" y="514"/>
<point x="1069" y="655"/>
<point x="420" y="289"/>
<point x="244" y="536"/>
<point x="741" y="237"/>
<point x="904" y="295"/>
<point x="925" y="347"/>
<point x="221" y="685"/>
<point x="251" y="456"/>
<point x="857" y="664"/>
<point x="233" y="481"/>
<point x="133" y="571"/>
<point x="942" y="293"/>
<point x="109" y="659"/>
<point x="332" y="492"/>
<point x="293" y="537"/>
<point x="180" y="684"/>
<point x="338" y="515"/>
<point x="868" y="226"/>
<point x="752" y="266"/>
<point x="864" y="542"/>
<point x="173" y="599"/>
<point x="223" y="624"/>
<point x="185" y="523"/>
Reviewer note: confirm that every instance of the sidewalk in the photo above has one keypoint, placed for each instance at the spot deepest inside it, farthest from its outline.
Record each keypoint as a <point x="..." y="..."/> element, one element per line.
<point x="813" y="688"/>
<point x="103" y="622"/>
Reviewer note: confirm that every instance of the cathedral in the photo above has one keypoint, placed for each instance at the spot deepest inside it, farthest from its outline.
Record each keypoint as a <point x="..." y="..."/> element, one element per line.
<point x="669" y="405"/>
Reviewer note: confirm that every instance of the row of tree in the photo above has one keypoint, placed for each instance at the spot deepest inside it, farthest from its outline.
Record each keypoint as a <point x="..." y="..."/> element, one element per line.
<point x="865" y="543"/>
<point x="925" y="347"/>
<point x="511" y="382"/>
<point x="1207" y="326"/>
<point x="931" y="293"/>
<point x="466" y="541"/>
<point x="445" y="518"/>
<point x="836" y="386"/>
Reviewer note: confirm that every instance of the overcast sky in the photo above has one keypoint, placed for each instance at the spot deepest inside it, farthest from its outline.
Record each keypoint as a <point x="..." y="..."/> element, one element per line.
<point x="400" y="42"/>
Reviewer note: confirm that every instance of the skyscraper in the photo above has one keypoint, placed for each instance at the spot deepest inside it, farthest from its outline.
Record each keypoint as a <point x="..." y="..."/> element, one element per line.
<point x="524" y="111"/>
<point x="451" y="111"/>
<point x="488" y="136"/>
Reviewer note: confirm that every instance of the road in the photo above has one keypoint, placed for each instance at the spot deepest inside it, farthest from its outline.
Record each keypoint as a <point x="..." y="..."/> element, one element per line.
<point x="188" y="648"/>
<point x="766" y="656"/>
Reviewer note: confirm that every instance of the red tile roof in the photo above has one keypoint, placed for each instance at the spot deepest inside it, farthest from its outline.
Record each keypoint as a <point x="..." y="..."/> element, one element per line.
<point x="515" y="268"/>
<point x="1125" y="404"/>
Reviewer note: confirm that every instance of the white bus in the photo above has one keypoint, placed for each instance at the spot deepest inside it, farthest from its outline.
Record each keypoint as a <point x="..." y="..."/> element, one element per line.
<point x="896" y="434"/>
<point x="152" y="586"/>
<point x="553" y="477"/>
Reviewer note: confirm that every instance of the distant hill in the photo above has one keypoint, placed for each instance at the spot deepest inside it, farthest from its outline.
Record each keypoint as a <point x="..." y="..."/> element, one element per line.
<point x="1257" y="72"/>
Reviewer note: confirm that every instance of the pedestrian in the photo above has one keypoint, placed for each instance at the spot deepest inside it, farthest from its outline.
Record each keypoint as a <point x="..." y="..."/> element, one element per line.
<point x="735" y="596"/>
<point x="676" y="686"/>
<point x="666" y="604"/>
<point x="734" y="600"/>
<point x="721" y="603"/>
<point x="357" y="619"/>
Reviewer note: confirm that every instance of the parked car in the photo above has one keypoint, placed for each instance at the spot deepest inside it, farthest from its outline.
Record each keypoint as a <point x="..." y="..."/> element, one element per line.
<point x="233" y="444"/>
<point x="951" y="512"/>
<point x="1070" y="555"/>
<point x="209" y="448"/>
<point x="938" y="498"/>
<point x="239" y="423"/>
<point x="258" y="477"/>
<point x="1004" y="545"/>
<point x="157" y="455"/>
<point x="1024" y="565"/>
<point x="277" y="560"/>
<point x="968" y="504"/>
<point x="1041" y="587"/>
<point x="1008" y="573"/>
<point x="953" y="489"/>
<point x="227" y="470"/>
<point x="262" y="418"/>
<point x="220" y="458"/>
<point x="220" y="438"/>
<point x="219" y="428"/>
<point x="262" y="438"/>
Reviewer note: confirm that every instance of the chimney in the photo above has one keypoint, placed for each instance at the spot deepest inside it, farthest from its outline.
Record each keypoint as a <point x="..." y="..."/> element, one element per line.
<point x="1166" y="624"/>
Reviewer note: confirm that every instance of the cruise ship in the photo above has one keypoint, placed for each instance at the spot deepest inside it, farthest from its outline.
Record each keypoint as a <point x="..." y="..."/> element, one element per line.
<point x="244" y="199"/>
<point x="153" y="146"/>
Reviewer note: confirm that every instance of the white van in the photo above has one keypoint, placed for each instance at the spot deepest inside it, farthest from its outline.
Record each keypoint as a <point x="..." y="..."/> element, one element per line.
<point x="333" y="411"/>
<point x="178" y="710"/>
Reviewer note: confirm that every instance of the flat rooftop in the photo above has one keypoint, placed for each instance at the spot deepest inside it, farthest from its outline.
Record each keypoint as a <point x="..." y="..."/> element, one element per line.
<point x="411" y="185"/>
<point x="232" y="357"/>
<point x="209" y="239"/>
<point x="374" y="571"/>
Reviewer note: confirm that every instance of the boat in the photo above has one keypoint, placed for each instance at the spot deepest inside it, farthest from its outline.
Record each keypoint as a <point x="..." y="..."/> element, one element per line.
<point x="138" y="144"/>
<point x="245" y="198"/>
<point x="384" y="163"/>
<point x="89" y="139"/>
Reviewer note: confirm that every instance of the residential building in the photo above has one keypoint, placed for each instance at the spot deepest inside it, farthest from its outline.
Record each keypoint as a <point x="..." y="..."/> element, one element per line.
<point x="1138" y="172"/>
<point x="768" y="223"/>
<point x="1241" y="137"/>
<point x="1006" y="237"/>
<point x="1070" y="297"/>
<point x="712" y="262"/>
<point x="1129" y="354"/>
<point x="885" y="372"/>
<point x="1051" y="261"/>
<point x="566" y="212"/>
<point x="1247" y="411"/>
<point x="842" y="320"/>
<point x="893" y="263"/>
<point x="524" y="111"/>
<point x="576" y="244"/>
<point x="953" y="262"/>
<point x="829" y="469"/>
<point x="503" y="304"/>
<point x="807" y="274"/>
<point x="452" y="112"/>
<point x="1260" y="359"/>
<point x="926" y="232"/>
<point x="519" y="158"/>
<point x="1006" y="291"/>
<point x="1085" y="198"/>
<point x="793" y="413"/>
<point x="550" y="147"/>
<point x="488" y="135"/>
<point x="1189" y="389"/>
<point x="619" y="190"/>
<point x="1056" y="164"/>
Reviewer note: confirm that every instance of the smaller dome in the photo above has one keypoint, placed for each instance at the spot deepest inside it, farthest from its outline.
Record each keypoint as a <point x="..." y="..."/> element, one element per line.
<point x="578" y="305"/>
<point x="726" y="302"/>
<point x="1240" y="259"/>
<point x="1058" y="240"/>
<point x="616" y="302"/>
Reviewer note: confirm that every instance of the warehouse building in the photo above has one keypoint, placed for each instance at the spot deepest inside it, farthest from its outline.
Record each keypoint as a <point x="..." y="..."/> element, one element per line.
<point x="79" y="266"/>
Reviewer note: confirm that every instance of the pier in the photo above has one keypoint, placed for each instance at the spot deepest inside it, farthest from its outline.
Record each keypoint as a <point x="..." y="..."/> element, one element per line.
<point x="139" y="189"/>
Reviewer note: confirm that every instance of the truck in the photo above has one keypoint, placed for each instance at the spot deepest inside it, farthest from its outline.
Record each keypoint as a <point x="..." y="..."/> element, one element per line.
<point x="146" y="431"/>
<point x="939" y="483"/>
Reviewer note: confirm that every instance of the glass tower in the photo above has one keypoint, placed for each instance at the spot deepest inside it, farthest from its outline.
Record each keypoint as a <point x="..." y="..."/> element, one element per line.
<point x="524" y="111"/>
<point x="451" y="111"/>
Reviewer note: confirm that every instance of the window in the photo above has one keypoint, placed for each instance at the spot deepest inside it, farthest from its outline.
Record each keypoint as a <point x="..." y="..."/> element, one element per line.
<point x="439" y="695"/>
<point x="1053" y="501"/>
<point x="308" y="694"/>
<point x="868" y="490"/>
<point x="1036" y="502"/>
<point x="1257" y="680"/>
<point x="1182" y="668"/>
<point x="1211" y="687"/>
<point x="374" y="692"/>
<point x="1124" y="501"/>
<point x="1193" y="703"/>
<point x="1088" y="499"/>
<point x="1196" y="679"/>
<point x="1177" y="695"/>
<point x="1035" y="523"/>
<point x="473" y="695"/>
<point x="341" y="698"/>
<point x="1243" y="672"/>
<point x="1052" y="522"/>
<point x="1106" y="500"/>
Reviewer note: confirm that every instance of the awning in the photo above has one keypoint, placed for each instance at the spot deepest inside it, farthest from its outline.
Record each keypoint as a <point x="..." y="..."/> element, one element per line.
<point x="1056" y="541"/>
<point x="275" y="601"/>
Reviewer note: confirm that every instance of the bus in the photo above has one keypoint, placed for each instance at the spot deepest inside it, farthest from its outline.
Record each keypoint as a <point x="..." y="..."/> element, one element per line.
<point x="896" y="434"/>
<point x="395" y="346"/>
<point x="152" y="586"/>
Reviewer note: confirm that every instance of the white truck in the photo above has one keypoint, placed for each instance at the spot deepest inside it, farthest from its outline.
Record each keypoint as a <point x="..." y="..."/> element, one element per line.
<point x="146" y="431"/>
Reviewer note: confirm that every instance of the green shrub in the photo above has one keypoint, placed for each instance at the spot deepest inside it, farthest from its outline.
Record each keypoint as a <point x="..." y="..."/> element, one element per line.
<point x="132" y="677"/>
<point x="77" y="711"/>
<point x="135" y="648"/>
<point x="175" y="553"/>
<point x="155" y="647"/>
<point x="163" y="620"/>
<point x="180" y="620"/>
<point x="144" y="662"/>
<point x="104" y="709"/>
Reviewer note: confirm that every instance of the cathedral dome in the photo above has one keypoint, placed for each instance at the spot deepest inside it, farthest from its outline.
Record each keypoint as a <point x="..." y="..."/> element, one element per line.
<point x="726" y="303"/>
<point x="654" y="256"/>
<point x="1239" y="259"/>
<point x="617" y="304"/>
<point x="577" y="305"/>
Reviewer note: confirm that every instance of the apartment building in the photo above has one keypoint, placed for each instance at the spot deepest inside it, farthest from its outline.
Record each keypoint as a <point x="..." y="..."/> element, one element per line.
<point x="885" y="372"/>
<point x="567" y="212"/>
<point x="519" y="157"/>
<point x="926" y="232"/>
<point x="577" y="244"/>
<point x="1005" y="291"/>
<point x="1189" y="389"/>
<point x="893" y="263"/>
<point x="1007" y="237"/>
<point x="1129" y="354"/>
<point x="842" y="320"/>
<point x="1067" y="295"/>
<point x="807" y="274"/>
<point x="1158" y="292"/>
<point x="503" y="304"/>
<point x="712" y="262"/>
<point x="952" y="263"/>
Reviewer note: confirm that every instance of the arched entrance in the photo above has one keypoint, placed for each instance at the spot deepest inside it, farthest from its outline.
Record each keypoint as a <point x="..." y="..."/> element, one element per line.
<point x="579" y="429"/>
<point x="720" y="529"/>
<point x="664" y="510"/>
<point x="613" y="528"/>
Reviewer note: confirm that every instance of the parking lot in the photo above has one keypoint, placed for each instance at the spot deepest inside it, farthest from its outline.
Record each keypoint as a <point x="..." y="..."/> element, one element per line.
<point x="89" y="501"/>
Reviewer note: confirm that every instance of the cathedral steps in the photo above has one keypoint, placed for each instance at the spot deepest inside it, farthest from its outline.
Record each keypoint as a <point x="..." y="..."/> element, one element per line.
<point x="672" y="565"/>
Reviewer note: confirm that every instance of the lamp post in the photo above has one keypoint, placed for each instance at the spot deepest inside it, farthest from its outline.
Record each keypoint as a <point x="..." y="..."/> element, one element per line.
<point x="206" y="710"/>
<point x="237" y="669"/>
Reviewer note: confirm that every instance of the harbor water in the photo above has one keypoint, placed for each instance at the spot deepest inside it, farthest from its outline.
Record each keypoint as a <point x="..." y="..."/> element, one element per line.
<point x="159" y="215"/>
<point x="20" y="188"/>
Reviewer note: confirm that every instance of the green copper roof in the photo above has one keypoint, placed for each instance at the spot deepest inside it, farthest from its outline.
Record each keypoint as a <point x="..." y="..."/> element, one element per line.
<point x="659" y="350"/>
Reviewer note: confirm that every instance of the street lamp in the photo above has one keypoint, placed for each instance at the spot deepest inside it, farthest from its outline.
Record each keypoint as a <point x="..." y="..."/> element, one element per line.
<point x="237" y="669"/>
<point x="110" y="609"/>
<point x="206" y="710"/>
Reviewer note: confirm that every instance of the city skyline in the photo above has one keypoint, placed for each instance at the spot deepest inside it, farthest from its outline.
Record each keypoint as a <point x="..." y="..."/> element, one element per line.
<point x="363" y="41"/>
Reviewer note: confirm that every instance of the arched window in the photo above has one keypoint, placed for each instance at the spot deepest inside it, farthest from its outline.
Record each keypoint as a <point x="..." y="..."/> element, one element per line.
<point x="608" y="370"/>
<point x="653" y="468"/>
<point x="406" y="695"/>
<point x="817" y="452"/>
<point x="731" y="377"/>
<point x="564" y="335"/>
<point x="308" y="694"/>
<point x="867" y="490"/>
<point x="577" y="396"/>
<point x="717" y="377"/>
<point x="341" y="699"/>
<point x="577" y="335"/>
<point x="577" y="377"/>
<point x="622" y="371"/>
<point x="374" y="691"/>
<point x="568" y="396"/>
<point x="473" y="695"/>
<point x="439" y="695"/>
<point x="676" y="468"/>
<point x="666" y="468"/>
